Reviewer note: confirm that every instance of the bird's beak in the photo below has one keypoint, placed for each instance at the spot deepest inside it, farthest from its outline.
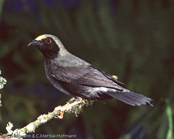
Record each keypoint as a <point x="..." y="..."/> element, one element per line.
<point x="34" y="43"/>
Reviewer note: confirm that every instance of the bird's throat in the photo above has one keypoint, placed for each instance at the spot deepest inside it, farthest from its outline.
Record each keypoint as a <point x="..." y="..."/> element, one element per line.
<point x="49" y="54"/>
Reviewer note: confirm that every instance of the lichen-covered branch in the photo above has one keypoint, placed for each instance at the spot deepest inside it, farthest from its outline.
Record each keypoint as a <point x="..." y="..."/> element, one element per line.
<point x="74" y="107"/>
<point x="3" y="81"/>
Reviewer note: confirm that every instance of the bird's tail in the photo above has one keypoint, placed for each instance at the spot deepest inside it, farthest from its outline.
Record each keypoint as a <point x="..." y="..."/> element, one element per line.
<point x="130" y="98"/>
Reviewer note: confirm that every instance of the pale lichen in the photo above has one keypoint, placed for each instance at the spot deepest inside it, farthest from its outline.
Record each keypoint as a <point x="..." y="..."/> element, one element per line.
<point x="3" y="81"/>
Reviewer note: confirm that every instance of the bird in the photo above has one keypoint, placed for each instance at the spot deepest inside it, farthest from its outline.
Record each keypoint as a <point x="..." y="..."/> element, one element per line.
<point x="76" y="77"/>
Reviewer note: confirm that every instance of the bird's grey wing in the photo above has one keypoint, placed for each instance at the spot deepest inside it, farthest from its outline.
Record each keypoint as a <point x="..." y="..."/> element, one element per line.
<point x="109" y="76"/>
<point x="86" y="76"/>
<point x="78" y="79"/>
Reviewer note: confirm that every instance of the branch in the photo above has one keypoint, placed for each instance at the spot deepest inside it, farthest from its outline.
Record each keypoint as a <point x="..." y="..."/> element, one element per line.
<point x="3" y="81"/>
<point x="70" y="107"/>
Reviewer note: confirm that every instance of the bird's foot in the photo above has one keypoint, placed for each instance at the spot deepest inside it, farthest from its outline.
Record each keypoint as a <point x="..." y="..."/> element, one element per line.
<point x="60" y="116"/>
<point x="74" y="99"/>
<point x="70" y="106"/>
<point x="77" y="99"/>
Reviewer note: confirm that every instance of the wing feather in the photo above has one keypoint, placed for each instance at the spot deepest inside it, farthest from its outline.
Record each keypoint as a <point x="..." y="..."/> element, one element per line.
<point x="86" y="76"/>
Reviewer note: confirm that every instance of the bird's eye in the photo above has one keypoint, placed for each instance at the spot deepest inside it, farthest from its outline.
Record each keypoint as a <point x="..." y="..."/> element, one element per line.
<point x="48" y="40"/>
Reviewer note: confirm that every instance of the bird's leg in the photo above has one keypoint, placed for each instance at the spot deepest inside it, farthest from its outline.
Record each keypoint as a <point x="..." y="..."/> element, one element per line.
<point x="73" y="99"/>
<point x="76" y="99"/>
<point x="69" y="105"/>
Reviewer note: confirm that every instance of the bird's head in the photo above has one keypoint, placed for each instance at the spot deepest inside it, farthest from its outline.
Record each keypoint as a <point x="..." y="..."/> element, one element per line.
<point x="49" y="45"/>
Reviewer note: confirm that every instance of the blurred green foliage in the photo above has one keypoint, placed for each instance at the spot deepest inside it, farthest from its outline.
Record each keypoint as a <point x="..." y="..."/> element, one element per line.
<point x="133" y="41"/>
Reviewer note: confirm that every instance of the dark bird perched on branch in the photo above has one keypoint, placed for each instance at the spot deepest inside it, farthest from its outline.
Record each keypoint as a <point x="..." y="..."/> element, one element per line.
<point x="73" y="76"/>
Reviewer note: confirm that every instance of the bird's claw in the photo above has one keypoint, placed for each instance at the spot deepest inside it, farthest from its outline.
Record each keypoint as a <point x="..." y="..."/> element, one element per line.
<point x="85" y="101"/>
<point x="60" y="116"/>
<point x="68" y="106"/>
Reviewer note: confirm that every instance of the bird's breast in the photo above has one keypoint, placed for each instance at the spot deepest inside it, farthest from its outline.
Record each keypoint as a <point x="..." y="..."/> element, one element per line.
<point x="48" y="71"/>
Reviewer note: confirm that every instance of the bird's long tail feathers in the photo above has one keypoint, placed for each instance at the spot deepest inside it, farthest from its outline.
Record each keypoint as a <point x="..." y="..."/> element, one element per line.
<point x="131" y="98"/>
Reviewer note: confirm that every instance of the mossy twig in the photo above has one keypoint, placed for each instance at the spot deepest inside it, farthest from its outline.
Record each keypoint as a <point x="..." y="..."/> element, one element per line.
<point x="42" y="119"/>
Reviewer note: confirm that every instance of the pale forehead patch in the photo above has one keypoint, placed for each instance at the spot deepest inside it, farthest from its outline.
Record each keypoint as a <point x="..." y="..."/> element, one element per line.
<point x="41" y="37"/>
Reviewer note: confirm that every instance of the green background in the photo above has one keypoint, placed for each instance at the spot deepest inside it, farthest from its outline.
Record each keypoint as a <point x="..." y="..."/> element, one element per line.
<point x="131" y="39"/>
